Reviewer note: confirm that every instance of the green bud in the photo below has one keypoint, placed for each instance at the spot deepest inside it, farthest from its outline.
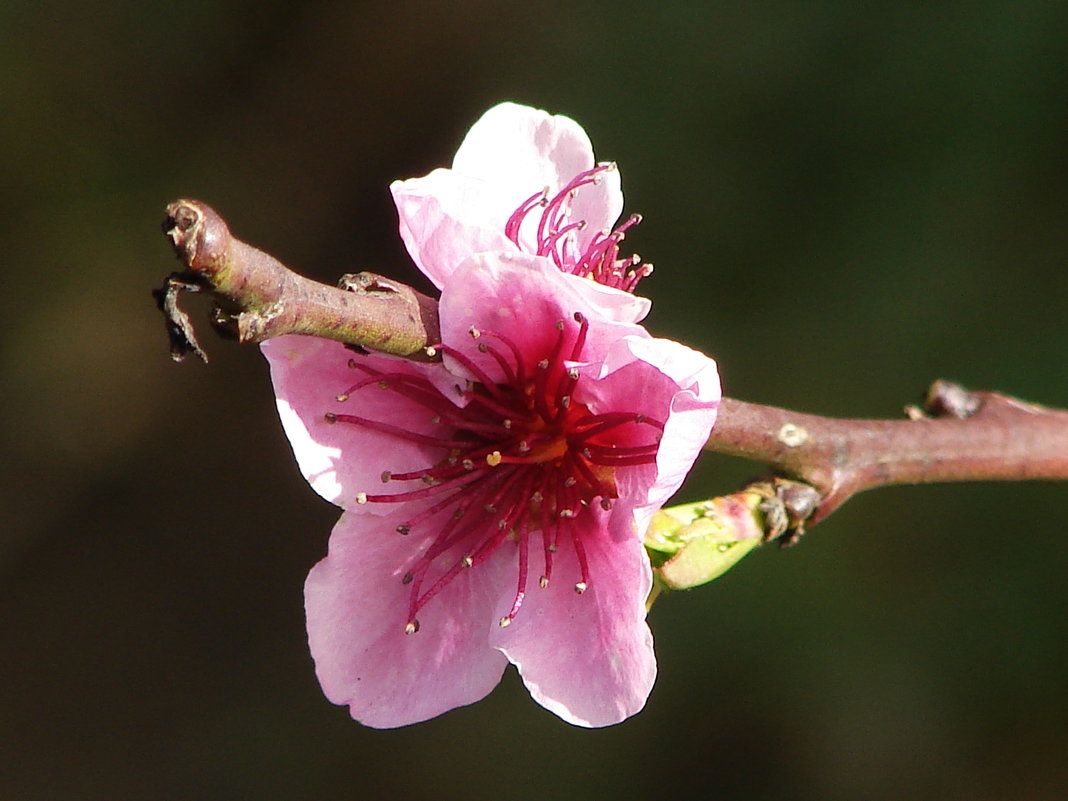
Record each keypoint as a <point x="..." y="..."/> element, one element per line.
<point x="694" y="543"/>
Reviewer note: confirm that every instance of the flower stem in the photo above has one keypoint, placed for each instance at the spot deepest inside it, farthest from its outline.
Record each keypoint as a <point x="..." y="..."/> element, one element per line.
<point x="957" y="436"/>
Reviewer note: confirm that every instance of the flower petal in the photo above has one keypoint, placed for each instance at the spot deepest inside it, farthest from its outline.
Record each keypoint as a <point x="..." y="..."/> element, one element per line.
<point x="445" y="217"/>
<point x="587" y="658"/>
<point x="669" y="382"/>
<point x="357" y="608"/>
<point x="510" y="154"/>
<point x="340" y="460"/>
<point x="526" y="149"/>
<point x="522" y="297"/>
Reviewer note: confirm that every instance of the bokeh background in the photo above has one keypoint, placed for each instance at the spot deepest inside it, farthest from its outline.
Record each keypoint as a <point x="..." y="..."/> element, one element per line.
<point x="844" y="201"/>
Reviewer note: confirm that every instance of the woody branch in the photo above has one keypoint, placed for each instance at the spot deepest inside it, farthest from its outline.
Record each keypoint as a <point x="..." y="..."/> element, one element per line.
<point x="957" y="436"/>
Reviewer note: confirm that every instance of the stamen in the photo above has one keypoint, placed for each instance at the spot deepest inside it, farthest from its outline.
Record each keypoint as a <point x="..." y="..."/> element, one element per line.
<point x="584" y="567"/>
<point x="521" y="458"/>
<point x="397" y="431"/>
<point x="511" y="227"/>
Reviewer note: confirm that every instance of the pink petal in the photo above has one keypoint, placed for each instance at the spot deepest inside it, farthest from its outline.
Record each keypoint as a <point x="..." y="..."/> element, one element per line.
<point x="511" y="153"/>
<point x="445" y="217"/>
<point x="669" y="382"/>
<point x="340" y="460"/>
<point x="357" y="609"/>
<point x="587" y="658"/>
<point x="522" y="297"/>
<point x="525" y="150"/>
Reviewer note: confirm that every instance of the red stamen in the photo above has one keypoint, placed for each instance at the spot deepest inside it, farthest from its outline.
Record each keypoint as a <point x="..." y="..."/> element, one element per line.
<point x="521" y="458"/>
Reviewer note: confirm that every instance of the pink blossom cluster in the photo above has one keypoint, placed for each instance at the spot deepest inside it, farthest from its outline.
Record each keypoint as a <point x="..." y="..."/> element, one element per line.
<point x="495" y="500"/>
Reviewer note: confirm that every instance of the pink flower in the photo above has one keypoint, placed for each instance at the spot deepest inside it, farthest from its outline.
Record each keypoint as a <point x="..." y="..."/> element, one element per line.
<point x="518" y="477"/>
<point x="495" y="501"/>
<point x="522" y="181"/>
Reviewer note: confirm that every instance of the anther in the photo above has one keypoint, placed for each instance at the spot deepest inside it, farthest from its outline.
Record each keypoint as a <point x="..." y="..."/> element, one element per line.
<point x="581" y="587"/>
<point x="407" y="578"/>
<point x="352" y="364"/>
<point x="543" y="582"/>
<point x="505" y="622"/>
<point x="567" y="513"/>
<point x="386" y="476"/>
<point x="330" y="417"/>
<point x="474" y="332"/>
<point x="570" y="481"/>
<point x="467" y="560"/>
<point x="411" y="627"/>
<point x="431" y="351"/>
<point x="468" y="464"/>
<point x="493" y="459"/>
<point x="543" y="364"/>
<point x="341" y="398"/>
<point x="404" y="528"/>
<point x="606" y="504"/>
<point x="361" y="497"/>
<point x="573" y="373"/>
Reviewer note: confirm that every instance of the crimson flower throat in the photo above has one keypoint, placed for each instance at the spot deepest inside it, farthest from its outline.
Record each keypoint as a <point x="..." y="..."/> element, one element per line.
<point x="521" y="461"/>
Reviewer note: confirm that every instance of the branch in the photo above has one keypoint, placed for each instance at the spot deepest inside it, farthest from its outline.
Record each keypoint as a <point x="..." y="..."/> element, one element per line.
<point x="257" y="297"/>
<point x="957" y="436"/>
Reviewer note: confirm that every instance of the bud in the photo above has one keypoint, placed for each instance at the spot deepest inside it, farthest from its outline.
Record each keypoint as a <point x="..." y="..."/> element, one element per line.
<point x="694" y="543"/>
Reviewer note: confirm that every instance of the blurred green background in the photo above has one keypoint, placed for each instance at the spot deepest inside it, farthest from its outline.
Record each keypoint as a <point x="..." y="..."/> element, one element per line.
<point x="843" y="200"/>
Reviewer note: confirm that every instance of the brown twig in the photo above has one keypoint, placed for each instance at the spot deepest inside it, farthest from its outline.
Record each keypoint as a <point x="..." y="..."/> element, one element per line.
<point x="1002" y="439"/>
<point x="257" y="297"/>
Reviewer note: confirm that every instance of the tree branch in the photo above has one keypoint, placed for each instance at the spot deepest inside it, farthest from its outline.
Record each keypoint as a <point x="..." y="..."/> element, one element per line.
<point x="257" y="297"/>
<point x="957" y="436"/>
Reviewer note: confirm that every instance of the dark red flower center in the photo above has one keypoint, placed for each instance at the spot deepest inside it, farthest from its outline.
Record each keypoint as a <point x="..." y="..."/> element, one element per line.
<point x="557" y="236"/>
<point x="519" y="461"/>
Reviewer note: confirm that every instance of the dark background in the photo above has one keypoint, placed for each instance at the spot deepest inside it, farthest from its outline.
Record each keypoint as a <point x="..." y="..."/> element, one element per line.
<point x="843" y="200"/>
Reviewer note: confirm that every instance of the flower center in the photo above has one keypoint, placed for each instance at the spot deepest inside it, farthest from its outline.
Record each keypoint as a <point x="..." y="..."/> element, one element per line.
<point x="520" y="462"/>
<point x="557" y="236"/>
